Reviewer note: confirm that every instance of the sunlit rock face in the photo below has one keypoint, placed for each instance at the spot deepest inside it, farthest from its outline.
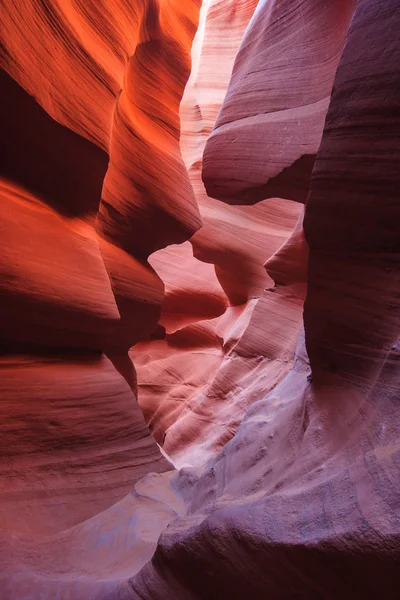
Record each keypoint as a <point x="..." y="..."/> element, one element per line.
<point x="304" y="500"/>
<point x="284" y="429"/>
<point x="216" y="359"/>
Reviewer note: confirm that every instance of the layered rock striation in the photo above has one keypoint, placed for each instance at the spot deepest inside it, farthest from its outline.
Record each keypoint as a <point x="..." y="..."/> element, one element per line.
<point x="269" y="129"/>
<point x="304" y="500"/>
<point x="194" y="406"/>
<point x="284" y="428"/>
<point x="92" y="182"/>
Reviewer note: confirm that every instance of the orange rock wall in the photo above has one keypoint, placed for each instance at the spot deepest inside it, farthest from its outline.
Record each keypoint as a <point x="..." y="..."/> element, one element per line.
<point x="92" y="183"/>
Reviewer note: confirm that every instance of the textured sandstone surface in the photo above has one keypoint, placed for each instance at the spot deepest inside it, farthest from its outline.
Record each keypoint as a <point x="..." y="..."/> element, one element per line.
<point x="195" y="384"/>
<point x="270" y="126"/>
<point x="92" y="182"/>
<point x="304" y="500"/>
<point x="65" y="423"/>
<point x="285" y="430"/>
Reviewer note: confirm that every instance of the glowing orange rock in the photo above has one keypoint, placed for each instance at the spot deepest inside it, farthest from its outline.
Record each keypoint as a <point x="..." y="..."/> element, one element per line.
<point x="92" y="183"/>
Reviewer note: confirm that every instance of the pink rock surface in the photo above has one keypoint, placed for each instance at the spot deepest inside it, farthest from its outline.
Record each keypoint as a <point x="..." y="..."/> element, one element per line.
<point x="239" y="264"/>
<point x="268" y="131"/>
<point x="66" y="421"/>
<point x="81" y="213"/>
<point x="351" y="312"/>
<point x="195" y="385"/>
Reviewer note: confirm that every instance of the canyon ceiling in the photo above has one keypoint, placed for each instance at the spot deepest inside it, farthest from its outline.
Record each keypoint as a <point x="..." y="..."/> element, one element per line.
<point x="200" y="299"/>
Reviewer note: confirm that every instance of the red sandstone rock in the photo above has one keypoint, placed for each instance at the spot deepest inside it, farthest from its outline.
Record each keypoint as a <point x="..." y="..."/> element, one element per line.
<point x="192" y="290"/>
<point x="303" y="501"/>
<point x="73" y="441"/>
<point x="65" y="56"/>
<point x="80" y="215"/>
<point x="206" y="87"/>
<point x="195" y="385"/>
<point x="239" y="264"/>
<point x="55" y="290"/>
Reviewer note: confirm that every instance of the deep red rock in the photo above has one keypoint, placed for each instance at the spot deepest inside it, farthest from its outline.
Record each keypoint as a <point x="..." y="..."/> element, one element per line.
<point x="81" y="213"/>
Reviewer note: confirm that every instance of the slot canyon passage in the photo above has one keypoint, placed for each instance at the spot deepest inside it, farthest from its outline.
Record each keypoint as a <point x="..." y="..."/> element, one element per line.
<point x="200" y="300"/>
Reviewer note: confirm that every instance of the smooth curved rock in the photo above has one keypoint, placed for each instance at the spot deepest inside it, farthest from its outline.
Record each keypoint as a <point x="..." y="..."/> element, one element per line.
<point x="65" y="55"/>
<point x="55" y="290"/>
<point x="73" y="441"/>
<point x="81" y="215"/>
<point x="195" y="384"/>
<point x="270" y="126"/>
<point x="302" y="498"/>
<point x="239" y="266"/>
<point x="216" y="360"/>
<point x="352" y="307"/>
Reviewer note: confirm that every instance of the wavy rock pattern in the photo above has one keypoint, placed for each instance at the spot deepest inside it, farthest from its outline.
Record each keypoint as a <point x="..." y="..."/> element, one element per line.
<point x="239" y="266"/>
<point x="103" y="52"/>
<point x="274" y="110"/>
<point x="196" y="383"/>
<point x="359" y="337"/>
<point x="303" y="500"/>
<point x="92" y="183"/>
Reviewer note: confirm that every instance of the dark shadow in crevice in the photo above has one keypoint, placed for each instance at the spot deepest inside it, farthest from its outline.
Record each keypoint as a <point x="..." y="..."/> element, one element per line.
<point x="57" y="165"/>
<point x="292" y="183"/>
